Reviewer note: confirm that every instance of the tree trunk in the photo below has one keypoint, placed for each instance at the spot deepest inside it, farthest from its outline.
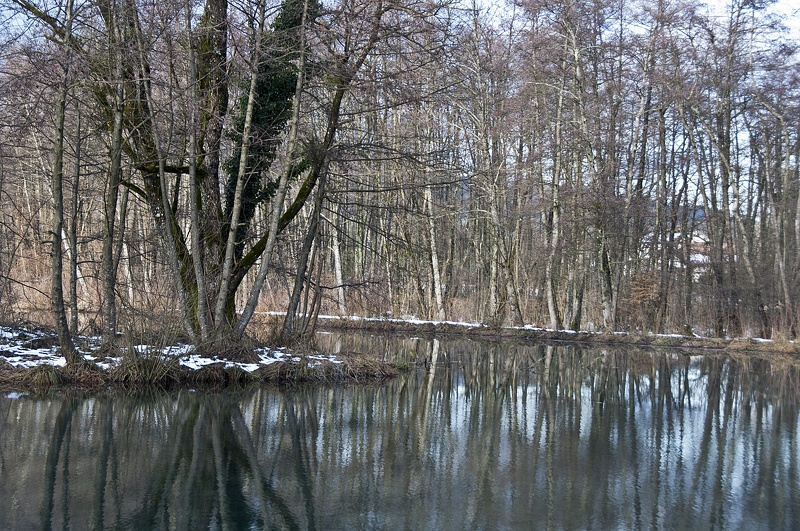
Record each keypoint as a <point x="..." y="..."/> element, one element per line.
<point x="72" y="236"/>
<point x="435" y="273"/>
<point x="194" y="192"/>
<point x="108" y="271"/>
<point x="337" y="267"/>
<point x="302" y="262"/>
<point x="56" y="288"/>
<point x="606" y="287"/>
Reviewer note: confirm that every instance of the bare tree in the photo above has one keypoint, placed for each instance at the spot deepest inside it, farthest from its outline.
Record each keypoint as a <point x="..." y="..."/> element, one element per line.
<point x="57" y="292"/>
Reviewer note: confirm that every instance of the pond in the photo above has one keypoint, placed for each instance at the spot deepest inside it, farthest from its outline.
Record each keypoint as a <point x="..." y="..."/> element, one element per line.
<point x="482" y="436"/>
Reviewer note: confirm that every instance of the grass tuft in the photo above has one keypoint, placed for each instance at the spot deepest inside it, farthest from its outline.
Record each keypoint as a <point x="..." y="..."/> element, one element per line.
<point x="242" y="351"/>
<point x="213" y="375"/>
<point x="45" y="376"/>
<point x="149" y="369"/>
<point x="216" y="375"/>
<point x="84" y="374"/>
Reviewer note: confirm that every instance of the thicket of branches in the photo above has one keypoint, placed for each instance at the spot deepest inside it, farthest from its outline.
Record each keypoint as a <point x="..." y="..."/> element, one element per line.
<point x="624" y="165"/>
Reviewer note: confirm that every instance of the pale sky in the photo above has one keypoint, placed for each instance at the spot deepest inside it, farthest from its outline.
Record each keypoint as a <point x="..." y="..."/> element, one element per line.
<point x="787" y="10"/>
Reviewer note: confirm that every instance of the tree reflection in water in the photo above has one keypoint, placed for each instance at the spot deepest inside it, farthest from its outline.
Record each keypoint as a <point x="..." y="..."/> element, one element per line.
<point x="482" y="436"/>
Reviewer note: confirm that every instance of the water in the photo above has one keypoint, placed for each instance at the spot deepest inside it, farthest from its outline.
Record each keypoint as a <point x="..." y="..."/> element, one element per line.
<point x="489" y="436"/>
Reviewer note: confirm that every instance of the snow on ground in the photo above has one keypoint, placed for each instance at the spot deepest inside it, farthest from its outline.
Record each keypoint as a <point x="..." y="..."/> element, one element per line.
<point x="18" y="349"/>
<point x="410" y="319"/>
<point x="22" y="348"/>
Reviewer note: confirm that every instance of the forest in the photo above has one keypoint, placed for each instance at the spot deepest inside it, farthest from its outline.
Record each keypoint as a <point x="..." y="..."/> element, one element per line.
<point x="606" y="165"/>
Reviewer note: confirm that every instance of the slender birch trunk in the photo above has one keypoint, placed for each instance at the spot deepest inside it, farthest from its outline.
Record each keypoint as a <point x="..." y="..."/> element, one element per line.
<point x="436" y="275"/>
<point x="194" y="193"/>
<point x="337" y="268"/>
<point x="108" y="271"/>
<point x="554" y="222"/>
<point x="72" y="236"/>
<point x="56" y="289"/>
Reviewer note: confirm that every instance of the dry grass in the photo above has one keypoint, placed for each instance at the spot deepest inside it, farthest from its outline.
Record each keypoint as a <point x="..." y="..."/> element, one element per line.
<point x="217" y="376"/>
<point x="146" y="370"/>
<point x="84" y="375"/>
<point x="45" y="376"/>
<point x="242" y="351"/>
<point x="11" y="377"/>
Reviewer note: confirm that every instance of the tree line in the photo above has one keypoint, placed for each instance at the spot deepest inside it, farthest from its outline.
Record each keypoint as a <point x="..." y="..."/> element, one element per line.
<point x="613" y="165"/>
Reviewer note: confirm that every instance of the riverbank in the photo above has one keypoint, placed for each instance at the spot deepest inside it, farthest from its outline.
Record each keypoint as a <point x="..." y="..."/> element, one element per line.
<point x="533" y="333"/>
<point x="29" y="357"/>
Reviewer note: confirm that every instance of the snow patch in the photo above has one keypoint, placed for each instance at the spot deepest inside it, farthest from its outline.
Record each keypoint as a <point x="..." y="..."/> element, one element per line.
<point x="14" y="352"/>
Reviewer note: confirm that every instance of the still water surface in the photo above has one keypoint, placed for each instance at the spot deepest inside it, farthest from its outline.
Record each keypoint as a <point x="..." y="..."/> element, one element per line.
<point x="488" y="436"/>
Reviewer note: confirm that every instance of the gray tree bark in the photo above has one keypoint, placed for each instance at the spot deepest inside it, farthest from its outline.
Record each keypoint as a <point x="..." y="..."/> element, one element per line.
<point x="56" y="288"/>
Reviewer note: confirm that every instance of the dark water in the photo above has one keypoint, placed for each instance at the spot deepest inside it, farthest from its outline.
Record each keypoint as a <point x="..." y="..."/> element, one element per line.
<point x="489" y="437"/>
